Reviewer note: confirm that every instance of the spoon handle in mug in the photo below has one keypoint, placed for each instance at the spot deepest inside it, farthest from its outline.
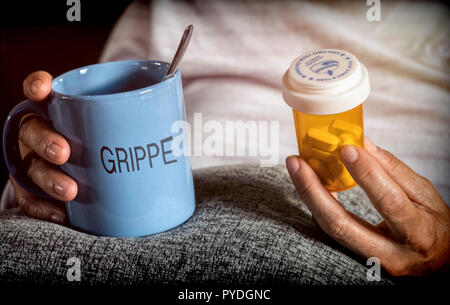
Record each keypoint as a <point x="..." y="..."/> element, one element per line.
<point x="184" y="42"/>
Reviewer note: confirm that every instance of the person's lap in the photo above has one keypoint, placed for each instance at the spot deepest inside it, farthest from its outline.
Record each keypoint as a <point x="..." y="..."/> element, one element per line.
<point x="250" y="226"/>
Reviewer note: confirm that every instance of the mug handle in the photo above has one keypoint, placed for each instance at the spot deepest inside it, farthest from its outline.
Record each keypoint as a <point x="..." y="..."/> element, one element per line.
<point x="14" y="162"/>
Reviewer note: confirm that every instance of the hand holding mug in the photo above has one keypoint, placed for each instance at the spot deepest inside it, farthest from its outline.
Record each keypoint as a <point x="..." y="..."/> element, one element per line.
<point x="43" y="149"/>
<point x="109" y="127"/>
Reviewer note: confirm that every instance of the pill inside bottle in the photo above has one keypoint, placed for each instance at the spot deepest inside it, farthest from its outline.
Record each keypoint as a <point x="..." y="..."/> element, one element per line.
<point x="326" y="90"/>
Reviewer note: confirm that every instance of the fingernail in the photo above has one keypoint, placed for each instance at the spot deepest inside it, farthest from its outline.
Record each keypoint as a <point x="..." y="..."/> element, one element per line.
<point x="61" y="187"/>
<point x="35" y="85"/>
<point x="292" y="164"/>
<point x="57" y="218"/>
<point x="368" y="144"/>
<point x="53" y="150"/>
<point x="349" y="154"/>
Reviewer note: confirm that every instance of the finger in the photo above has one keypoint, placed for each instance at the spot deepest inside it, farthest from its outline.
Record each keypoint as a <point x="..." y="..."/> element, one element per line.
<point x="37" y="86"/>
<point x="51" y="180"/>
<point x="416" y="187"/>
<point x="41" y="138"/>
<point x="38" y="208"/>
<point x="349" y="230"/>
<point x="335" y="195"/>
<point x="385" y="194"/>
<point x="23" y="149"/>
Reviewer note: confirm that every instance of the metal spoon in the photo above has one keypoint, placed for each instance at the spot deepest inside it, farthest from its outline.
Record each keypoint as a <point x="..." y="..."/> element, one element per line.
<point x="182" y="46"/>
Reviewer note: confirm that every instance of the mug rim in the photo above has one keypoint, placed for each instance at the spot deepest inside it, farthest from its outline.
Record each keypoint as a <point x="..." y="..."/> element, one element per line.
<point x="139" y="91"/>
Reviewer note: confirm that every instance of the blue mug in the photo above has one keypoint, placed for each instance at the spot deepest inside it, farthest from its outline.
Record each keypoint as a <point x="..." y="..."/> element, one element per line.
<point x="117" y="119"/>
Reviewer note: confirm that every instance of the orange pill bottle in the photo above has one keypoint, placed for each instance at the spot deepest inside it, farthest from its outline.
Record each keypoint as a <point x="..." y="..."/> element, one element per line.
<point x="326" y="90"/>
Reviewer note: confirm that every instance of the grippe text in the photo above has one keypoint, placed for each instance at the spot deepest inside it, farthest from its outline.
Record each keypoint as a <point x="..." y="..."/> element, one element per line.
<point x="131" y="159"/>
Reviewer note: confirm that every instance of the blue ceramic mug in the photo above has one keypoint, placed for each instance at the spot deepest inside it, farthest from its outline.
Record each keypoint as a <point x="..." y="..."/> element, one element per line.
<point x="117" y="119"/>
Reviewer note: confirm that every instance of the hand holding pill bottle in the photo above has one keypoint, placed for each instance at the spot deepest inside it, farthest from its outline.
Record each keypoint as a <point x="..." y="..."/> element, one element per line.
<point x="326" y="90"/>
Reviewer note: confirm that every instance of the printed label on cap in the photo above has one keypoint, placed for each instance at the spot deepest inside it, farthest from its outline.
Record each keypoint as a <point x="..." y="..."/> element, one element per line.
<point x="324" y="66"/>
<point x="326" y="81"/>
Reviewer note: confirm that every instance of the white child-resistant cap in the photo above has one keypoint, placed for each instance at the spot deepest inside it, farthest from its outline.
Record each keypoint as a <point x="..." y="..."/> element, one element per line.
<point x="325" y="81"/>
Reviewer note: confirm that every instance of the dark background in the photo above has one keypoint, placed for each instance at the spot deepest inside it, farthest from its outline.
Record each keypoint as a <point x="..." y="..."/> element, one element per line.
<point x="36" y="35"/>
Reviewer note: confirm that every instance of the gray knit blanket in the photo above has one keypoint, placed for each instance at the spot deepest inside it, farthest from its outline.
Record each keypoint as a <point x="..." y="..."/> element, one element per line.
<point x="250" y="227"/>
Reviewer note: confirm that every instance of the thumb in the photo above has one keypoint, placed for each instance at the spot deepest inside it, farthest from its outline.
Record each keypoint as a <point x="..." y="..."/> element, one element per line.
<point x="37" y="86"/>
